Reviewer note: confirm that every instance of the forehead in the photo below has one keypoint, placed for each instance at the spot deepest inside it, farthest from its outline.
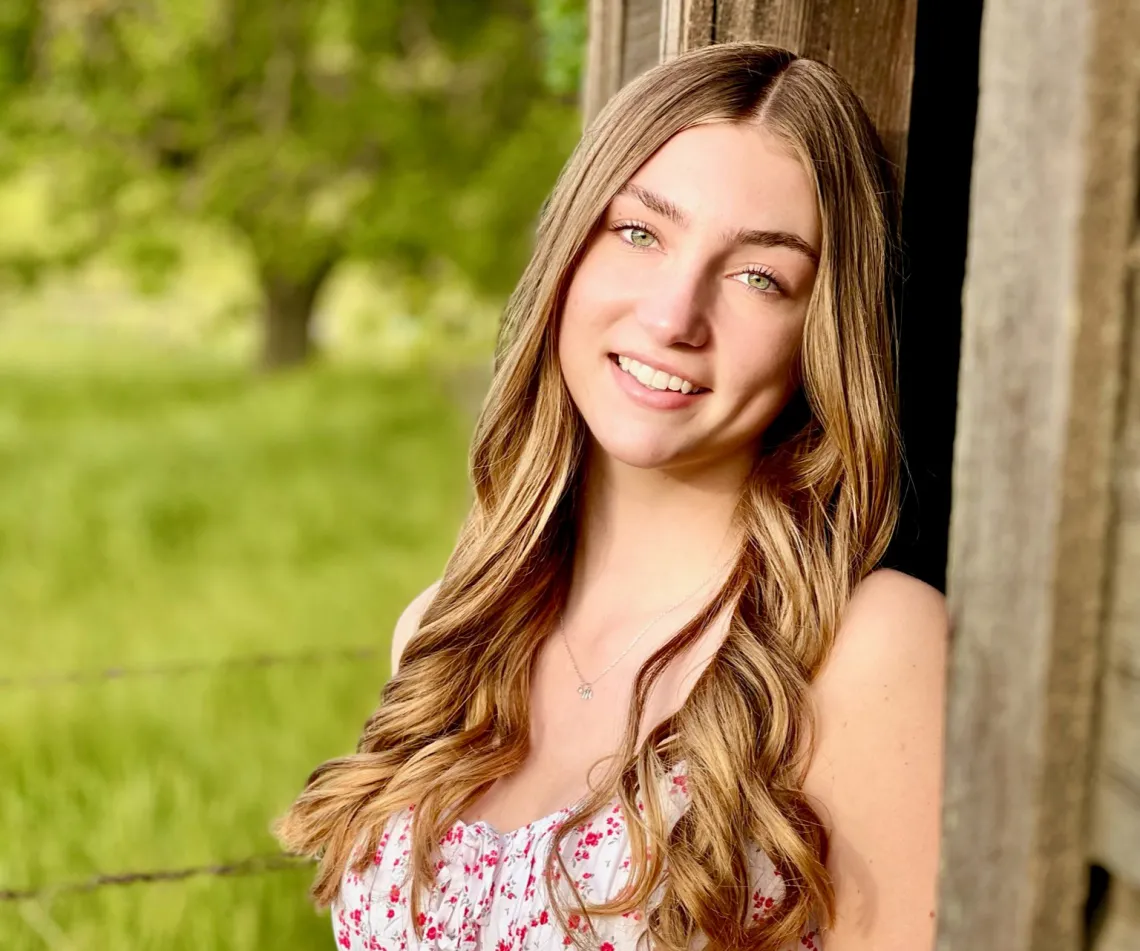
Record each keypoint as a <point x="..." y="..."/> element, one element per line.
<point x="734" y="175"/>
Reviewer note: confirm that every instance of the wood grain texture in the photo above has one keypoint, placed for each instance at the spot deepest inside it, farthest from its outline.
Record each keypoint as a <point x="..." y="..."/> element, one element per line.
<point x="686" y="25"/>
<point x="604" y="53"/>
<point x="625" y="39"/>
<point x="641" y="43"/>
<point x="1040" y="378"/>
<point x="871" y="42"/>
<point x="1122" y="924"/>
<point x="1115" y="815"/>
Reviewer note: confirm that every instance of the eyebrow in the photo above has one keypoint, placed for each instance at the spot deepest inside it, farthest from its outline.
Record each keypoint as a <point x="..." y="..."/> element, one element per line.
<point x="658" y="203"/>
<point x="760" y="237"/>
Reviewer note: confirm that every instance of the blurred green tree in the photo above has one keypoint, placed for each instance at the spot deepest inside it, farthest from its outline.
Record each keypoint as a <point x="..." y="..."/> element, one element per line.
<point x="400" y="131"/>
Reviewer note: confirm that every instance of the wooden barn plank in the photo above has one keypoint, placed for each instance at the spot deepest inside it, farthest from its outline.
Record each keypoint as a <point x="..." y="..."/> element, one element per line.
<point x="641" y="37"/>
<point x="686" y="25"/>
<point x="871" y="42"/>
<point x="604" y="55"/>
<point x="1122" y="929"/>
<point x="1040" y="377"/>
<point x="625" y="39"/>
<point x="1115" y="814"/>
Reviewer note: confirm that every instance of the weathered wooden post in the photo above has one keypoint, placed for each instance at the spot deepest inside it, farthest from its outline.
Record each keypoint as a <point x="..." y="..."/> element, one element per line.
<point x="1041" y="372"/>
<point x="1115" y="814"/>
<point x="1116" y="802"/>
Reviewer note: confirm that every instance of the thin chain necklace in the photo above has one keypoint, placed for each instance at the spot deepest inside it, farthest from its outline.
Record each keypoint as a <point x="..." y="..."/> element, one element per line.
<point x="586" y="687"/>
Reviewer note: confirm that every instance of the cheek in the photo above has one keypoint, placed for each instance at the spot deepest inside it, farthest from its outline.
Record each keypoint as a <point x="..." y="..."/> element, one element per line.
<point x="591" y="287"/>
<point x="578" y="333"/>
<point x="591" y="301"/>
<point x="767" y="360"/>
<point x="571" y="329"/>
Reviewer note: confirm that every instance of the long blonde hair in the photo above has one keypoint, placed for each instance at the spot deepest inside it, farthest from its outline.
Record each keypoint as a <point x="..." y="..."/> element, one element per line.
<point x="816" y="515"/>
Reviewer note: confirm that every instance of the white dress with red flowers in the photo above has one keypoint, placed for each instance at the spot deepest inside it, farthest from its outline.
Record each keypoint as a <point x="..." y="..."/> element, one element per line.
<point x="489" y="893"/>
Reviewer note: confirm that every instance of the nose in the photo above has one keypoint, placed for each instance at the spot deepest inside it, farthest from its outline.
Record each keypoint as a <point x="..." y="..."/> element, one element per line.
<point x="675" y="309"/>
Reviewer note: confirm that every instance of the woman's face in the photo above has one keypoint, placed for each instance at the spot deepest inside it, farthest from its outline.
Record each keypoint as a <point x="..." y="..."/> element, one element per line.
<point x="682" y="324"/>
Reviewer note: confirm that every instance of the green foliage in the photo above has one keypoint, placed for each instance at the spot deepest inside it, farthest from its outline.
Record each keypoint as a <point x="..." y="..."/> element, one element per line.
<point x="154" y="511"/>
<point x="19" y="23"/>
<point x="564" y="24"/>
<point x="405" y="132"/>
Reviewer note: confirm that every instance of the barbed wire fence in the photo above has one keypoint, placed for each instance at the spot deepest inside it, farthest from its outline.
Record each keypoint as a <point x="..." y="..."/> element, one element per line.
<point x="251" y="865"/>
<point x="254" y="865"/>
<point x="75" y="677"/>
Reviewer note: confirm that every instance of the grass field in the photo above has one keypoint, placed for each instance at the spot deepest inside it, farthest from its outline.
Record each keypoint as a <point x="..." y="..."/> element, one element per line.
<point x="157" y="508"/>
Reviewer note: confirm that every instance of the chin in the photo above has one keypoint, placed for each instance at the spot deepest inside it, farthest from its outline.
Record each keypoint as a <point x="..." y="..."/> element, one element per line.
<point x="640" y="450"/>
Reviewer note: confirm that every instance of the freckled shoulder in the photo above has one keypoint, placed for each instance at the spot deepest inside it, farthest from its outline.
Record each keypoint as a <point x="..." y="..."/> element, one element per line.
<point x="409" y="622"/>
<point x="875" y="772"/>
<point x="893" y="636"/>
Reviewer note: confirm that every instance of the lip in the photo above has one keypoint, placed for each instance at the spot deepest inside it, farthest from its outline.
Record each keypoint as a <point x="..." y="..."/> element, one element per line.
<point x="658" y="365"/>
<point x="652" y="399"/>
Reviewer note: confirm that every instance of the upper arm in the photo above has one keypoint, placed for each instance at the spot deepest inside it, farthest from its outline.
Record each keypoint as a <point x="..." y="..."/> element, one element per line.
<point x="409" y="622"/>
<point x="876" y="773"/>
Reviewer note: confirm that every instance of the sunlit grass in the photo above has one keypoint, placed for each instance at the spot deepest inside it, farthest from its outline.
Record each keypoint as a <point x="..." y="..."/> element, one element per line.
<point x="158" y="508"/>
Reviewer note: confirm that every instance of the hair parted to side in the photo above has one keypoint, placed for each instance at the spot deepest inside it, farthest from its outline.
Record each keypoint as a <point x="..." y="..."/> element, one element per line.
<point x="816" y="515"/>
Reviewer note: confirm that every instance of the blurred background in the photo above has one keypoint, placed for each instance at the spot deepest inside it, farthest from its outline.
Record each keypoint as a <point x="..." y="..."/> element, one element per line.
<point x="252" y="258"/>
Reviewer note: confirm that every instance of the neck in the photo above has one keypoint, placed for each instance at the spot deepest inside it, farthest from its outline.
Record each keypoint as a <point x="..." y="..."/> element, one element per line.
<point x="648" y="537"/>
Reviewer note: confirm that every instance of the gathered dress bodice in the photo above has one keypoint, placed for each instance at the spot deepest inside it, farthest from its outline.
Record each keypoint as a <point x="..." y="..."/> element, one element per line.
<point x="489" y="893"/>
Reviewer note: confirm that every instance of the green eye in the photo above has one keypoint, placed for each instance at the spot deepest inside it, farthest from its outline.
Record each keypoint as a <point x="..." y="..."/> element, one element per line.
<point x="640" y="237"/>
<point x="759" y="281"/>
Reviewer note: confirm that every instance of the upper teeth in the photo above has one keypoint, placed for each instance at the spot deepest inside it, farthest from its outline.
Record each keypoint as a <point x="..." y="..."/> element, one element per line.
<point x="653" y="378"/>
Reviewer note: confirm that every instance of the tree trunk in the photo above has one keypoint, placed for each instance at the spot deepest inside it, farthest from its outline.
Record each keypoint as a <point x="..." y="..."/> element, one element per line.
<point x="287" y="313"/>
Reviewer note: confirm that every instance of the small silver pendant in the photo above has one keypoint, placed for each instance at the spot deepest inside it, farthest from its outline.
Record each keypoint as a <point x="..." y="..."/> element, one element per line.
<point x="585" y="691"/>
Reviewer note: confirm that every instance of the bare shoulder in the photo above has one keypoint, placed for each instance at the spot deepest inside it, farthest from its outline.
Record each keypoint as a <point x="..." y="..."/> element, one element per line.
<point x="893" y="622"/>
<point x="409" y="622"/>
<point x="875" y="772"/>
<point x="892" y="646"/>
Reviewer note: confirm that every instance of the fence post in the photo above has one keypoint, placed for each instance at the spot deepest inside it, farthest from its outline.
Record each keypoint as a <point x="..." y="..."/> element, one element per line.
<point x="1040" y="376"/>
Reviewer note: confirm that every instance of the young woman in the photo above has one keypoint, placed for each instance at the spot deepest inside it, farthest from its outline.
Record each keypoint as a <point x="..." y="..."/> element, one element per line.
<point x="661" y="696"/>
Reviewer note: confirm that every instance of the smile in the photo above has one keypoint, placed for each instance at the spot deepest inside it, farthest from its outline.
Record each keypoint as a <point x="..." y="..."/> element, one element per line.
<point x="654" y="379"/>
